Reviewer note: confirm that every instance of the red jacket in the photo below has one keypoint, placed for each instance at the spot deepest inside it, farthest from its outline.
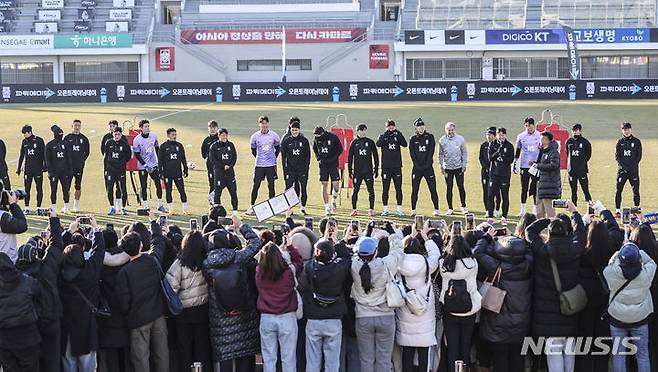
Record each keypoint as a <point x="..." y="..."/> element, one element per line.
<point x="279" y="297"/>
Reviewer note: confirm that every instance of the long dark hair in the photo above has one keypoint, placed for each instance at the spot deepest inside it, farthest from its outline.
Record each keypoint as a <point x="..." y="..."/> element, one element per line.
<point x="645" y="239"/>
<point x="193" y="250"/>
<point x="365" y="274"/>
<point x="599" y="245"/>
<point x="456" y="249"/>
<point x="414" y="246"/>
<point x="524" y="222"/>
<point x="270" y="263"/>
<point x="144" y="234"/>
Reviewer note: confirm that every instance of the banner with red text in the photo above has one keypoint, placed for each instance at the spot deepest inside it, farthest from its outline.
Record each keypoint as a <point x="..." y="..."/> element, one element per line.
<point x="273" y="36"/>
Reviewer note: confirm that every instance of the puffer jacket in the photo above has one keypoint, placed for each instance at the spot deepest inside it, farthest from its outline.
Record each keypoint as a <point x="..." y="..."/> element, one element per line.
<point x="513" y="256"/>
<point x="190" y="285"/>
<point x="18" y="309"/>
<point x="232" y="336"/>
<point x="411" y="329"/>
<point x="549" y="185"/>
<point x="547" y="319"/>
<point x="465" y="269"/>
<point x="374" y="303"/>
<point x="634" y="303"/>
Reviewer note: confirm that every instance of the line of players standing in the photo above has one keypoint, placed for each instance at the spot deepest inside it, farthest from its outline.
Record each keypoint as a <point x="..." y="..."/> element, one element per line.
<point x="64" y="159"/>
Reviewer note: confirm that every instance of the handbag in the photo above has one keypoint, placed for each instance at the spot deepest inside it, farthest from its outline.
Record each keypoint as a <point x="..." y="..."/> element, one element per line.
<point x="573" y="300"/>
<point x="321" y="300"/>
<point x="394" y="291"/>
<point x="606" y="315"/>
<point x="416" y="303"/>
<point x="102" y="311"/>
<point x="492" y="296"/>
<point x="174" y="303"/>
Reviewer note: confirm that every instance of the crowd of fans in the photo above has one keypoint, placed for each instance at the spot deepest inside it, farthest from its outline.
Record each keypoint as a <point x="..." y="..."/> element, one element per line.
<point x="378" y="297"/>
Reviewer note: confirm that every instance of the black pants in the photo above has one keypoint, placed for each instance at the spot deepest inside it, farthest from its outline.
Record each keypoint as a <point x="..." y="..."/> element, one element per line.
<point x="507" y="357"/>
<point x="298" y="181"/>
<point x="416" y="177"/>
<point x="634" y="178"/>
<point x="370" y="184"/>
<point x="498" y="187"/>
<point x="484" y="176"/>
<point x="211" y="179"/>
<point x="6" y="182"/>
<point x="260" y="173"/>
<point x="408" y="353"/>
<point x="38" y="181"/>
<point x="143" y="183"/>
<point x="114" y="360"/>
<point x="584" y="183"/>
<point x="50" y="360"/>
<point x="244" y="364"/>
<point x="20" y="360"/>
<point x="528" y="185"/>
<point x="118" y="180"/>
<point x="180" y="186"/>
<point x="65" y="181"/>
<point x="452" y="175"/>
<point x="394" y="174"/>
<point x="226" y="180"/>
<point x="458" y="332"/>
<point x="193" y="345"/>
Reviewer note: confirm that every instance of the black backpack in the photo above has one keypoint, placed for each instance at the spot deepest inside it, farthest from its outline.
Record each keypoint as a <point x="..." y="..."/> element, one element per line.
<point x="232" y="288"/>
<point x="457" y="300"/>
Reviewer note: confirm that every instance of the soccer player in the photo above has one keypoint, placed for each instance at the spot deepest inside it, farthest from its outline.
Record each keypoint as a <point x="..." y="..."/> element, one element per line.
<point x="527" y="149"/>
<point x="173" y="167"/>
<point x="580" y="151"/>
<point x="628" y="154"/>
<point x="4" y="171"/>
<point x="293" y="119"/>
<point x="122" y="192"/>
<point x="501" y="156"/>
<point x="327" y="149"/>
<point x="265" y="146"/>
<point x="391" y="143"/>
<point x="213" y="126"/>
<point x="485" y="164"/>
<point x="79" y="145"/>
<point x="453" y="159"/>
<point x="116" y="154"/>
<point x="421" y="149"/>
<point x="363" y="165"/>
<point x="223" y="156"/>
<point x="60" y="167"/>
<point x="32" y="151"/>
<point x="145" y="148"/>
<point x="296" y="159"/>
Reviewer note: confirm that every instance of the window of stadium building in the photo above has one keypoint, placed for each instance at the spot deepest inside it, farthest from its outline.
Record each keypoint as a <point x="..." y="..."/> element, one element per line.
<point x="273" y="65"/>
<point x="437" y="69"/>
<point x="531" y="68"/>
<point x="615" y="67"/>
<point x="101" y="72"/>
<point x="26" y="73"/>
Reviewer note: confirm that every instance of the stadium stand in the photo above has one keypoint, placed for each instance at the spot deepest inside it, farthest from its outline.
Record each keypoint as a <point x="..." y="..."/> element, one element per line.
<point x="471" y="14"/>
<point x="605" y="13"/>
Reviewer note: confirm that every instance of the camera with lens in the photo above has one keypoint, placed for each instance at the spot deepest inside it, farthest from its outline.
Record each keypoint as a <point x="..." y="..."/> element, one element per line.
<point x="4" y="198"/>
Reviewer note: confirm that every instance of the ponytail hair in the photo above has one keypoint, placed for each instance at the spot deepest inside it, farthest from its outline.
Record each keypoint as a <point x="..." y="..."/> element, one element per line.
<point x="365" y="274"/>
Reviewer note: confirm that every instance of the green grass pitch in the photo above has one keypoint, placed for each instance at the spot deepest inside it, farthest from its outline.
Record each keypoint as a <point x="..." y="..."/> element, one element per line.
<point x="600" y="120"/>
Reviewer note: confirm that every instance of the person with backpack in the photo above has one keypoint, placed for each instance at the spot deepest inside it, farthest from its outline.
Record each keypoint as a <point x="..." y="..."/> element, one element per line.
<point x="556" y="264"/>
<point x="629" y="276"/>
<point x="375" y="320"/>
<point x="507" y="263"/>
<point x="277" y="303"/>
<point x="460" y="298"/>
<point x="415" y="328"/>
<point x="230" y="271"/>
<point x="186" y="279"/>
<point x="321" y="288"/>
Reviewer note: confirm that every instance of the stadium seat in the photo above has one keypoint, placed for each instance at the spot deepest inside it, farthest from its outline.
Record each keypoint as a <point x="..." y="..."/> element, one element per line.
<point x="606" y="13"/>
<point x="471" y="14"/>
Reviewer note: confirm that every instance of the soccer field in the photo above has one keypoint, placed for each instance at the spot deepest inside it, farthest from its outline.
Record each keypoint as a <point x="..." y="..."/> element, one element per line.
<point x="600" y="120"/>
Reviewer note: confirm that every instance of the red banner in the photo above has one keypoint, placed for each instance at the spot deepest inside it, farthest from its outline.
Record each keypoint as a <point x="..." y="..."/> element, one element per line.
<point x="164" y="59"/>
<point x="379" y="56"/>
<point x="270" y="36"/>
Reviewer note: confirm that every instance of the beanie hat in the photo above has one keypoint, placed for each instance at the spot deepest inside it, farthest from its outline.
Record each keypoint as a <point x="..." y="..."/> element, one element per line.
<point x="491" y="130"/>
<point x="419" y="122"/>
<point x="630" y="260"/>
<point x="57" y="131"/>
<point x="318" y="130"/>
<point x="366" y="246"/>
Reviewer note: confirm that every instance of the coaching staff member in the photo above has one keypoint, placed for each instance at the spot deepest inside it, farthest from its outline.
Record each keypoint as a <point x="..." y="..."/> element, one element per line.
<point x="391" y="143"/>
<point x="421" y="149"/>
<point x="549" y="186"/>
<point x="580" y="151"/>
<point x="628" y="154"/>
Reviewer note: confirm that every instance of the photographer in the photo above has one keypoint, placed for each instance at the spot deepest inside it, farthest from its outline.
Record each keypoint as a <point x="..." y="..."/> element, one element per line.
<point x="12" y="222"/>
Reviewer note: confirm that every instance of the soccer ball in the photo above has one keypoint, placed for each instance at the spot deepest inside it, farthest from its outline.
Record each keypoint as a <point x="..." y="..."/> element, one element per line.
<point x="191" y="165"/>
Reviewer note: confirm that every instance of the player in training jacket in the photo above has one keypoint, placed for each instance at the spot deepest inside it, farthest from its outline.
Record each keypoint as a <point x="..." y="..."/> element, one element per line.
<point x="79" y="144"/>
<point x="327" y="149"/>
<point x="4" y="171"/>
<point x="580" y="151"/>
<point x="223" y="156"/>
<point x="60" y="166"/>
<point x="33" y="153"/>
<point x="213" y="126"/>
<point x="116" y="154"/>
<point x="363" y="165"/>
<point x="296" y="160"/>
<point x="391" y="143"/>
<point x="122" y="193"/>
<point x="173" y="167"/>
<point x="501" y="156"/>
<point x="484" y="172"/>
<point x="421" y="149"/>
<point x="628" y="154"/>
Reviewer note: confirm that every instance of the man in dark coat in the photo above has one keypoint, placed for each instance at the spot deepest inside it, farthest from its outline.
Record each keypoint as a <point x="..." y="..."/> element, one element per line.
<point x="79" y="291"/>
<point x="549" y="185"/>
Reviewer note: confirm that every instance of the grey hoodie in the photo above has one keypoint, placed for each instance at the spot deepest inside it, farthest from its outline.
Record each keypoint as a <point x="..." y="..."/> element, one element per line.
<point x="452" y="152"/>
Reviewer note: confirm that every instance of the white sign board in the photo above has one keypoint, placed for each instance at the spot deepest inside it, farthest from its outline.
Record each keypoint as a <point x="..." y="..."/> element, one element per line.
<point x="45" y="27"/>
<point x="26" y="42"/>
<point x="121" y="14"/>
<point x="52" y="4"/>
<point x="276" y="205"/>
<point x="50" y="14"/>
<point x="112" y="26"/>
<point x="123" y="3"/>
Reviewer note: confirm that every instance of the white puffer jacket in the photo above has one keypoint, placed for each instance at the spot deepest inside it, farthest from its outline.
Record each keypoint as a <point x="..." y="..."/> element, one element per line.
<point x="190" y="285"/>
<point x="466" y="269"/>
<point x="633" y="303"/>
<point x="418" y="330"/>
